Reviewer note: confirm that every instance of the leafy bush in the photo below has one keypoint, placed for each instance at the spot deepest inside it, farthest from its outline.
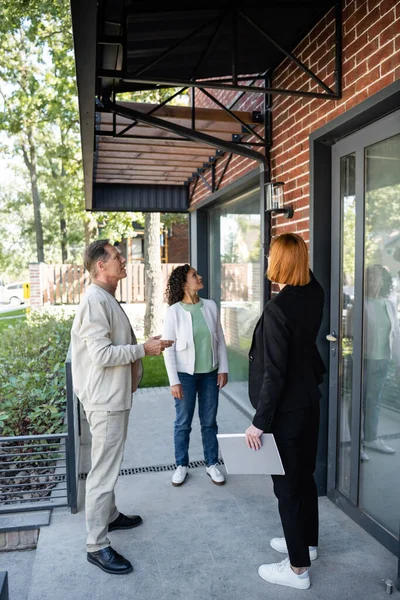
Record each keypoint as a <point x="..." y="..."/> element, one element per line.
<point x="32" y="377"/>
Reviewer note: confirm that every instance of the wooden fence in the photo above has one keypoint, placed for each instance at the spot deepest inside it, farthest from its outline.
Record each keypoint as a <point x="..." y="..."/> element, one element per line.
<point x="65" y="284"/>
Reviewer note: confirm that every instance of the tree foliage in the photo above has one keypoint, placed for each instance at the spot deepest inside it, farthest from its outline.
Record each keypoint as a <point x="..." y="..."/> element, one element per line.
<point x="42" y="212"/>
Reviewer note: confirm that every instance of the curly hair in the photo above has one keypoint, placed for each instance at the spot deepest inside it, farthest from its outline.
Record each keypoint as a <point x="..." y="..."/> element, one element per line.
<point x="374" y="271"/>
<point x="174" y="292"/>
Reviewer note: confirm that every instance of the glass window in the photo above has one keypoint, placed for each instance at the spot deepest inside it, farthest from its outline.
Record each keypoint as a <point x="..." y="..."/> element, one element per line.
<point x="235" y="282"/>
<point x="346" y="299"/>
<point x="380" y="422"/>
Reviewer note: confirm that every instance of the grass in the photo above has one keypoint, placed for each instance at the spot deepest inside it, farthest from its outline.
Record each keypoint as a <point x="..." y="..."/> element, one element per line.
<point x="10" y="318"/>
<point x="155" y="374"/>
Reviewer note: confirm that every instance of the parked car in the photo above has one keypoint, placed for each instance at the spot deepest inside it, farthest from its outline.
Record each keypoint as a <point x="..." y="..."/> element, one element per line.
<point x="13" y="293"/>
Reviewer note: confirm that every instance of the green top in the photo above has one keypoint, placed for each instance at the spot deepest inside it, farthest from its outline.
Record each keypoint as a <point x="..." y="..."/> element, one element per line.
<point x="203" y="357"/>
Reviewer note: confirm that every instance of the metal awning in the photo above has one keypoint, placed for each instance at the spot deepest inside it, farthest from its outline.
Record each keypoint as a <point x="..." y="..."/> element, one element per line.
<point x="126" y="46"/>
<point x="147" y="155"/>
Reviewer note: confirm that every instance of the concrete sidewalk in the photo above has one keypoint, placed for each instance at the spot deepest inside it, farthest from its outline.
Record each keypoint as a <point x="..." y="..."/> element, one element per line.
<point x="199" y="541"/>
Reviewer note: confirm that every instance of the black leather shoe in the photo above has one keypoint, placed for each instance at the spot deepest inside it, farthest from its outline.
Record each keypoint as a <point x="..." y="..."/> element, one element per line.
<point x="108" y="560"/>
<point x="125" y="522"/>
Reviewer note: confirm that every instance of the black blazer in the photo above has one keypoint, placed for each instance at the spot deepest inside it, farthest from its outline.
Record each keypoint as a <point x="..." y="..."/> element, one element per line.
<point x="285" y="366"/>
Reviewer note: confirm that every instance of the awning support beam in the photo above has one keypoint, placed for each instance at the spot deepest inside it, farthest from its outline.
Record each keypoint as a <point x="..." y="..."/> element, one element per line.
<point x="210" y="84"/>
<point x="185" y="132"/>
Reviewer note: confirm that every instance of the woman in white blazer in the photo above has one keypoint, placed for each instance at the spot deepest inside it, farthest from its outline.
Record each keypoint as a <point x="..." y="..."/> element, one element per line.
<point x="381" y="346"/>
<point x="197" y="366"/>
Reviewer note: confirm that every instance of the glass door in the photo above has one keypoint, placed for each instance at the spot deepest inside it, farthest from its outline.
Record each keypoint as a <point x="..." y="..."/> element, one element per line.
<point x="364" y="441"/>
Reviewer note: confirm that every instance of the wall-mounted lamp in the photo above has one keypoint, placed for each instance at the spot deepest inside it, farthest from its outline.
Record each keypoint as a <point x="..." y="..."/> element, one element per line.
<point x="275" y="199"/>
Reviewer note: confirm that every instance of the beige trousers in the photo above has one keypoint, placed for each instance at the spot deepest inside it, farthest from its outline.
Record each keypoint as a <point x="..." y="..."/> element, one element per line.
<point x="108" y="429"/>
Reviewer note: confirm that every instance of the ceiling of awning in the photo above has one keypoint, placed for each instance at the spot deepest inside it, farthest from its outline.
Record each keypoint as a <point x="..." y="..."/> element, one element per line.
<point x="126" y="46"/>
<point x="149" y="155"/>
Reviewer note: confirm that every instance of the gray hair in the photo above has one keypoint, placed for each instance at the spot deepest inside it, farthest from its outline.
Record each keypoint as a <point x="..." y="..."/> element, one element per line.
<point x="94" y="252"/>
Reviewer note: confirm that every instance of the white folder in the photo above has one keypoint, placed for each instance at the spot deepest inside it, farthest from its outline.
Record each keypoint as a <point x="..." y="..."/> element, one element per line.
<point x="241" y="460"/>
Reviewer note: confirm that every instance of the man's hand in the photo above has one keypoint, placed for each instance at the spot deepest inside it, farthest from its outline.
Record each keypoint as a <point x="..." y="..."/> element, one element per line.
<point x="253" y="437"/>
<point x="222" y="380"/>
<point x="176" y="391"/>
<point x="155" y="345"/>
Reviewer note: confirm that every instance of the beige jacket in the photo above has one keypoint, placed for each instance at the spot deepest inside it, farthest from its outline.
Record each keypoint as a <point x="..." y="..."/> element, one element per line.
<point x="105" y="356"/>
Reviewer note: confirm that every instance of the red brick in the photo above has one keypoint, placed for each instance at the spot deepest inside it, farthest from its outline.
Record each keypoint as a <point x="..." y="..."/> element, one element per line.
<point x="367" y="79"/>
<point x="348" y="11"/>
<point x="381" y="83"/>
<point x="389" y="65"/>
<point x="356" y="99"/>
<point x="319" y="28"/>
<point x="380" y="24"/>
<point x="351" y="77"/>
<point x="302" y="157"/>
<point x="358" y="43"/>
<point x="379" y="56"/>
<point x="348" y="38"/>
<point x="326" y="58"/>
<point x="386" y="5"/>
<point x="367" y="21"/>
<point x="366" y="51"/>
<point x="13" y="539"/>
<point x="303" y="180"/>
<point x="324" y="35"/>
<point x="390" y="33"/>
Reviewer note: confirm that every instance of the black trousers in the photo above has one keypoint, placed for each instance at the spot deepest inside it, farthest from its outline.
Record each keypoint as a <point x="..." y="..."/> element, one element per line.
<point x="296" y="435"/>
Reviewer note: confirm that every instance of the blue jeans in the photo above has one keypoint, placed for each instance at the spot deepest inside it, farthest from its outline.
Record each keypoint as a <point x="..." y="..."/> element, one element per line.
<point x="375" y="375"/>
<point x="205" y="386"/>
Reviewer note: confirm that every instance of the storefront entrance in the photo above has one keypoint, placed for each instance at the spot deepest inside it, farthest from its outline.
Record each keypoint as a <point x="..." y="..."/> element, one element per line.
<point x="364" y="444"/>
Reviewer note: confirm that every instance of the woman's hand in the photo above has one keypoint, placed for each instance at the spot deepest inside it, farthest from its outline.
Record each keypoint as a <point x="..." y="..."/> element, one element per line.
<point x="222" y="380"/>
<point x="176" y="391"/>
<point x="253" y="437"/>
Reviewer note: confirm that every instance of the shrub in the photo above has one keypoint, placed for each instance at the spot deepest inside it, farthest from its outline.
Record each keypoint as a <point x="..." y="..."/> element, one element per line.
<point x="32" y="377"/>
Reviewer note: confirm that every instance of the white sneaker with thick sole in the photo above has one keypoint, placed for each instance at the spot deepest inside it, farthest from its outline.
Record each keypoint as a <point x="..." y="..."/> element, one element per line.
<point x="215" y="474"/>
<point x="283" y="574"/>
<point x="279" y="544"/>
<point x="179" y="476"/>
<point x="380" y="446"/>
<point x="363" y="455"/>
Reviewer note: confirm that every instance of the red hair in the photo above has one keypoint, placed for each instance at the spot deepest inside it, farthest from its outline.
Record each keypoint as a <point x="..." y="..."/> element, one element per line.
<point x="288" y="261"/>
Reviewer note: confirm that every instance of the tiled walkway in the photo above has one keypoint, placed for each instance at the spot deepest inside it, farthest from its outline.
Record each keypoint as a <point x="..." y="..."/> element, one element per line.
<point x="200" y="541"/>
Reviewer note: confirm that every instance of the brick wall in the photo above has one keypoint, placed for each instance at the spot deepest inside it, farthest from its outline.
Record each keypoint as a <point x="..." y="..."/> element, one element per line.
<point x="36" y="284"/>
<point x="178" y="244"/>
<point x="371" y="61"/>
<point x="18" y="540"/>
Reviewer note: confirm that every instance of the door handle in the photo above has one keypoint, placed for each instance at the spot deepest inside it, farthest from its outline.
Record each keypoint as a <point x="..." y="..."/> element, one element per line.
<point x="331" y="337"/>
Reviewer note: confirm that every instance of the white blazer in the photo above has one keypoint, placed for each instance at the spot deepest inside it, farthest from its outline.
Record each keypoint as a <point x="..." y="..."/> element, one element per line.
<point x="178" y="327"/>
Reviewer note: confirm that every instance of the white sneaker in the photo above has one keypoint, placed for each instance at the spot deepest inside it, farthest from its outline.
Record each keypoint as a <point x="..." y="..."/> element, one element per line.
<point x="283" y="574"/>
<point x="215" y="474"/>
<point x="179" y="476"/>
<point x="379" y="446"/>
<point x="279" y="544"/>
<point x="363" y="455"/>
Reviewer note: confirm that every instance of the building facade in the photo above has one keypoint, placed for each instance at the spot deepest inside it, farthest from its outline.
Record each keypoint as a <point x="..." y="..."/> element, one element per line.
<point x="339" y="161"/>
<point x="306" y="94"/>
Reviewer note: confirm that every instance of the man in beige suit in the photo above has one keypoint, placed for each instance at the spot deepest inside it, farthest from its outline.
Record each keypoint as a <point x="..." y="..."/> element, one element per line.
<point x="106" y="371"/>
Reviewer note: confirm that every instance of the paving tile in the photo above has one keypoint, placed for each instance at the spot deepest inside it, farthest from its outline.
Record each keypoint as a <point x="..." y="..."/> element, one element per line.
<point x="199" y="541"/>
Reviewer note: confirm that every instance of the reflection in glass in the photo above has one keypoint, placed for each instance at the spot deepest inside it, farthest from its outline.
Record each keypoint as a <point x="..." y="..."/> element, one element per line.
<point x="235" y="282"/>
<point x="380" y="473"/>
<point x="348" y="218"/>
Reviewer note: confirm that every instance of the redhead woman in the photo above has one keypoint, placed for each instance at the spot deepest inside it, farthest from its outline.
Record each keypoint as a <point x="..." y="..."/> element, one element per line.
<point x="285" y="372"/>
<point x="197" y="366"/>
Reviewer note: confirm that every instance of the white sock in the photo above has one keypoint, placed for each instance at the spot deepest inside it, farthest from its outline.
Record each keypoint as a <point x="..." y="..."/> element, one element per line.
<point x="303" y="575"/>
